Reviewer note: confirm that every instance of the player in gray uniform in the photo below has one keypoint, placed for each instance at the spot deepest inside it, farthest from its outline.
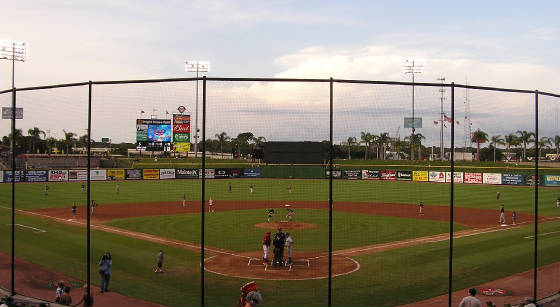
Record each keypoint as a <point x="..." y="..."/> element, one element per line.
<point x="558" y="203"/>
<point x="290" y="215"/>
<point x="288" y="245"/>
<point x="502" y="215"/>
<point x="159" y="262"/>
<point x="270" y="215"/>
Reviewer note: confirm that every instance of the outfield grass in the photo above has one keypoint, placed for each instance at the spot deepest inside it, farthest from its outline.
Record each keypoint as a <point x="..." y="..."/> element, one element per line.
<point x="234" y="230"/>
<point x="30" y="196"/>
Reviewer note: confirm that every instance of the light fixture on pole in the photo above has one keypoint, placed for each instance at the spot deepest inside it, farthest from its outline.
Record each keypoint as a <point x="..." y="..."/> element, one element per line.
<point x="14" y="51"/>
<point x="442" y="98"/>
<point x="413" y="66"/>
<point x="196" y="66"/>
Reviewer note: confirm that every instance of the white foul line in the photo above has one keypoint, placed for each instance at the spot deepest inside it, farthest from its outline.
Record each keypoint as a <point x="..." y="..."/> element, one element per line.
<point x="541" y="234"/>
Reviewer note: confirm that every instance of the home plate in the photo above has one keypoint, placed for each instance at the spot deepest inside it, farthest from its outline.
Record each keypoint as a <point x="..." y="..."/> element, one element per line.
<point x="504" y="225"/>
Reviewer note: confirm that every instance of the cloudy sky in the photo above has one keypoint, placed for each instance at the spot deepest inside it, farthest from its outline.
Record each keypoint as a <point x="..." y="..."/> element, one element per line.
<point x="511" y="44"/>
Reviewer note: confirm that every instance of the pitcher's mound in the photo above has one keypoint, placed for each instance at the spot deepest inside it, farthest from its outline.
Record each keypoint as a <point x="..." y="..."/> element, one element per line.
<point x="285" y="225"/>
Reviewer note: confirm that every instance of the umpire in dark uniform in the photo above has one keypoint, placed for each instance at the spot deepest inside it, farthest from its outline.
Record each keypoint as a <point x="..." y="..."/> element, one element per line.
<point x="279" y="241"/>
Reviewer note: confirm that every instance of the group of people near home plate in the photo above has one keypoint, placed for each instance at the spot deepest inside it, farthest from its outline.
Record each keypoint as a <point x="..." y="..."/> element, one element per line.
<point x="280" y="242"/>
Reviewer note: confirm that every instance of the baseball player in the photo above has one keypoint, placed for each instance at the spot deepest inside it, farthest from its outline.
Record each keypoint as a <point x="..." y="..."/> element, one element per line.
<point x="290" y="215"/>
<point x="558" y="203"/>
<point x="117" y="189"/>
<point x="502" y="215"/>
<point x="290" y="189"/>
<point x="46" y="190"/>
<point x="514" y="218"/>
<point x="83" y="188"/>
<point x="270" y="215"/>
<point x="497" y="196"/>
<point x="93" y="205"/>
<point x="184" y="200"/>
<point x="74" y="209"/>
<point x="288" y="245"/>
<point x="421" y="209"/>
<point x="251" y="189"/>
<point x="266" y="246"/>
<point x="229" y="187"/>
<point x="159" y="258"/>
<point x="210" y="205"/>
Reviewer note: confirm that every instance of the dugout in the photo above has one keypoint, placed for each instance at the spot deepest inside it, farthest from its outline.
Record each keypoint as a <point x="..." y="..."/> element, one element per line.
<point x="293" y="152"/>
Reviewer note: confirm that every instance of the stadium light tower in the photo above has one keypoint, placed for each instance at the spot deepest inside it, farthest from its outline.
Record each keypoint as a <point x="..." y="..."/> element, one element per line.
<point x="14" y="51"/>
<point x="196" y="66"/>
<point x="412" y="66"/>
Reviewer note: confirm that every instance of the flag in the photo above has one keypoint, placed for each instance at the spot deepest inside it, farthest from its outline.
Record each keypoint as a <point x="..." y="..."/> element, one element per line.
<point x="457" y="122"/>
<point x="435" y="122"/>
<point x="447" y="119"/>
<point x="142" y="112"/>
<point x="166" y="112"/>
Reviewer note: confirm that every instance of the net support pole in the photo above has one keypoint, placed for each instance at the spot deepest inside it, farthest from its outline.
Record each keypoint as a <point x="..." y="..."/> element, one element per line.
<point x="329" y="301"/>
<point x="536" y="182"/>
<point x="202" y="304"/>
<point x="451" y="209"/>
<point x="88" y="215"/>
<point x="12" y="286"/>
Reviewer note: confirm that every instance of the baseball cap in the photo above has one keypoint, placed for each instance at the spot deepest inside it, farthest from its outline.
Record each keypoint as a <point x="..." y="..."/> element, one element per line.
<point x="254" y="298"/>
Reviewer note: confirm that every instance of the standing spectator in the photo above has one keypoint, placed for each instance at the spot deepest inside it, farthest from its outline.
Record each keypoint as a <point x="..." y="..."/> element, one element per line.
<point x="289" y="243"/>
<point x="66" y="299"/>
<point x="266" y="246"/>
<point x="470" y="300"/>
<point x="159" y="262"/>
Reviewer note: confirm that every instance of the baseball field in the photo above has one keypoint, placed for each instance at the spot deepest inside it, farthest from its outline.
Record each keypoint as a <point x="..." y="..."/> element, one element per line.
<point x="385" y="253"/>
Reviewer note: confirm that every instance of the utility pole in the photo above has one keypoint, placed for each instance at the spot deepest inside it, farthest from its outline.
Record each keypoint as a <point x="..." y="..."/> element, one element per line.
<point x="442" y="98"/>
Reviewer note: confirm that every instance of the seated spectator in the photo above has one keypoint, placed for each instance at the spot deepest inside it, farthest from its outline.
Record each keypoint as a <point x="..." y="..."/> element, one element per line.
<point x="254" y="298"/>
<point x="470" y="300"/>
<point x="66" y="299"/>
<point x="528" y="302"/>
<point x="490" y="304"/>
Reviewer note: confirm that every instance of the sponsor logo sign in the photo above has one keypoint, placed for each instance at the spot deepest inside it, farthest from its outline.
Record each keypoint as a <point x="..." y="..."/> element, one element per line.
<point x="77" y="174"/>
<point x="458" y="177"/>
<point x="420" y="175"/>
<point x="20" y="176"/>
<point x="181" y="137"/>
<point x="404" y="175"/>
<point x="552" y="180"/>
<point x="8" y="113"/>
<point x="472" y="178"/>
<point x="150" y="174"/>
<point x="58" y="175"/>
<point x="1" y="176"/>
<point x="492" y="178"/>
<point x="335" y="174"/>
<point x="133" y="174"/>
<point x="98" y="174"/>
<point x="182" y="147"/>
<point x="167" y="173"/>
<point x="512" y="179"/>
<point x="388" y="175"/>
<point x="371" y="174"/>
<point x="36" y="176"/>
<point x="436" y="176"/>
<point x="222" y="173"/>
<point x="209" y="174"/>
<point x="115" y="173"/>
<point x="182" y="173"/>
<point x="181" y="128"/>
<point x="141" y="133"/>
<point x="236" y="172"/>
<point x="352" y="174"/>
<point x="252" y="172"/>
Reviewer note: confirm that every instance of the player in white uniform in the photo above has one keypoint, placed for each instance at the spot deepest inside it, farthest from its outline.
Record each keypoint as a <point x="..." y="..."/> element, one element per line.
<point x="184" y="200"/>
<point x="210" y="205"/>
<point x="288" y="246"/>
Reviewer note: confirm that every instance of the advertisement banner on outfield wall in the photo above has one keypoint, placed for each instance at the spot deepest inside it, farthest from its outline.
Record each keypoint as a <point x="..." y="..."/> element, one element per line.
<point x="458" y="177"/>
<point x="472" y="178"/>
<point x="492" y="178"/>
<point x="221" y="173"/>
<point x="252" y="172"/>
<point x="512" y="179"/>
<point x="98" y="174"/>
<point x="58" y="175"/>
<point x="436" y="176"/>
<point x="150" y="174"/>
<point x="236" y="172"/>
<point x="388" y="175"/>
<point x="420" y="176"/>
<point x="371" y="174"/>
<point x="167" y="173"/>
<point x="530" y="180"/>
<point x="115" y="173"/>
<point x="77" y="175"/>
<point x="36" y="176"/>
<point x="1" y="176"/>
<point x="404" y="175"/>
<point x="352" y="174"/>
<point x="182" y="147"/>
<point x="210" y="173"/>
<point x="183" y="173"/>
<point x="20" y="176"/>
<point x="552" y="180"/>
<point x="336" y="174"/>
<point x="132" y="174"/>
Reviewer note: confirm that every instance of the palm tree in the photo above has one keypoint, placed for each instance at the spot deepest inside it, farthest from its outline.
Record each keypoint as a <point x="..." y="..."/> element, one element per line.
<point x="511" y="140"/>
<point x="366" y="138"/>
<point x="524" y="138"/>
<point x="545" y="142"/>
<point x="351" y="141"/>
<point x="383" y="140"/>
<point x="35" y="134"/>
<point x="478" y="137"/>
<point x="260" y="140"/>
<point x="495" y="141"/>
<point x="415" y="139"/>
<point x="69" y="140"/>
<point x="557" y="145"/>
<point x="222" y="138"/>
<point x="398" y="146"/>
<point x="18" y="134"/>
